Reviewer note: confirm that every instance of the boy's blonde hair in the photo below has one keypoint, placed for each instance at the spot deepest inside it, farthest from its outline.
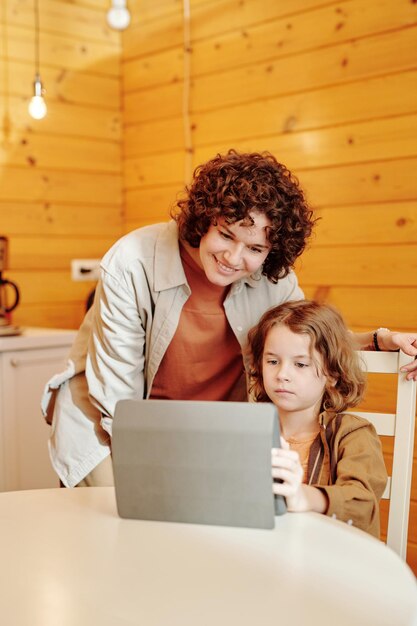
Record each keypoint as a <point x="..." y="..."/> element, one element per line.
<point x="329" y="337"/>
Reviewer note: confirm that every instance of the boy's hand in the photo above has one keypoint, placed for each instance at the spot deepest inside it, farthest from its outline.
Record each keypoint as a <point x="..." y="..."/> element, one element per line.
<point x="286" y="466"/>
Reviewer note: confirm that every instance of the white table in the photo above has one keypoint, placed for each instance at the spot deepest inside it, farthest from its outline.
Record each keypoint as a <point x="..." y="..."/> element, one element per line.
<point x="68" y="560"/>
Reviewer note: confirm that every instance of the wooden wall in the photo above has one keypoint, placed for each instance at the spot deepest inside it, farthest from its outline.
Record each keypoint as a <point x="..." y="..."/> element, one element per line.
<point x="60" y="177"/>
<point x="330" y="88"/>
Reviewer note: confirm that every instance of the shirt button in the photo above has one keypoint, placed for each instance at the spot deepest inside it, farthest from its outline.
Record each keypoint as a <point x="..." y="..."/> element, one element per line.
<point x="239" y="329"/>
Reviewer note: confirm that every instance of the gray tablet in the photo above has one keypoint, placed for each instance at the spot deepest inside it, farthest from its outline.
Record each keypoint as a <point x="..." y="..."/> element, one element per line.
<point x="196" y="462"/>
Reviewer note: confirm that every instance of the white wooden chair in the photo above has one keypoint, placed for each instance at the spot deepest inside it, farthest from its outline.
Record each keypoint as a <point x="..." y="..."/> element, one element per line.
<point x="400" y="426"/>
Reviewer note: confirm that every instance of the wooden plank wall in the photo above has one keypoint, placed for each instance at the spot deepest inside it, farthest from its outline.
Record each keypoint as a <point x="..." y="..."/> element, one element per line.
<point x="60" y="177"/>
<point x="330" y="88"/>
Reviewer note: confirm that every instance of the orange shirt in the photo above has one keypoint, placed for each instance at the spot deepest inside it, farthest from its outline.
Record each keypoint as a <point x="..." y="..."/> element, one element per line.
<point x="302" y="446"/>
<point x="203" y="360"/>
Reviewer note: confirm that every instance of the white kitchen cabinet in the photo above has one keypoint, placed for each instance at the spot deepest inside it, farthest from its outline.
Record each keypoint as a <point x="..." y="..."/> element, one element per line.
<point x="27" y="362"/>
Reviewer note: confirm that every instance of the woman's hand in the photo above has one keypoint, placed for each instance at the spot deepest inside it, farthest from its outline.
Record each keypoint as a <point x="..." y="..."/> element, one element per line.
<point x="407" y="342"/>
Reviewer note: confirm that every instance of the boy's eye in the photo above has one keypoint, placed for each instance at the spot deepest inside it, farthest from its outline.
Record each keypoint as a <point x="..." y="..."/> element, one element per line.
<point x="301" y="365"/>
<point x="225" y="235"/>
<point x="256" y="250"/>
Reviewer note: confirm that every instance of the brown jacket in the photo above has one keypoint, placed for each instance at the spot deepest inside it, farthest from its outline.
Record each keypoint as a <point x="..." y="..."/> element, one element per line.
<point x="346" y="463"/>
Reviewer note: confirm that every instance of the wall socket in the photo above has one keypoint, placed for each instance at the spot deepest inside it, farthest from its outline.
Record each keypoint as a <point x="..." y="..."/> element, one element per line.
<point x="85" y="269"/>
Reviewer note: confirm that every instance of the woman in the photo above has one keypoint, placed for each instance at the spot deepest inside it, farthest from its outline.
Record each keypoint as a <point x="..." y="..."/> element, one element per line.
<point x="175" y="302"/>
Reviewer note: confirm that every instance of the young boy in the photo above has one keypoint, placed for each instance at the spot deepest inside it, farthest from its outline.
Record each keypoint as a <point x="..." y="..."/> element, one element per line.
<point x="303" y="360"/>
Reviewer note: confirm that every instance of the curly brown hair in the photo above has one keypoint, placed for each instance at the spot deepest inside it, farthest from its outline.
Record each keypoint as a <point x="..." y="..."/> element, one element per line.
<point x="234" y="185"/>
<point x="329" y="336"/>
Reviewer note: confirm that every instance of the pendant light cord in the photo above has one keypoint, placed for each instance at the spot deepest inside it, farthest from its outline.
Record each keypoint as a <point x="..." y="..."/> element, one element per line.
<point x="188" y="141"/>
<point x="36" y="10"/>
<point x="5" y="123"/>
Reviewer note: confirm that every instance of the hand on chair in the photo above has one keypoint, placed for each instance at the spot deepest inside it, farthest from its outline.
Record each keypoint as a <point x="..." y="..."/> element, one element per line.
<point x="407" y="342"/>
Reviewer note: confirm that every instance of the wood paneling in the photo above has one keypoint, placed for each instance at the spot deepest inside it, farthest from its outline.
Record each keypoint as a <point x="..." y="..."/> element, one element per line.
<point x="49" y="298"/>
<point x="369" y="306"/>
<point x="54" y="219"/>
<point x="61" y="177"/>
<point x="350" y="143"/>
<point x="389" y="94"/>
<point x="149" y="205"/>
<point x="393" y="266"/>
<point x="209" y="17"/>
<point x="380" y="223"/>
<point x="44" y="185"/>
<point x="45" y="151"/>
<point x="385" y="53"/>
<point x="164" y="168"/>
<point x="64" y="51"/>
<point x="295" y="33"/>
<point x="64" y="85"/>
<point x="153" y="104"/>
<point x="340" y="185"/>
<point x="92" y="123"/>
<point x="377" y="181"/>
<point x="320" y="147"/>
<point x="56" y="252"/>
<point x="62" y="18"/>
<point x="275" y="117"/>
<point x="54" y="315"/>
<point x="39" y="287"/>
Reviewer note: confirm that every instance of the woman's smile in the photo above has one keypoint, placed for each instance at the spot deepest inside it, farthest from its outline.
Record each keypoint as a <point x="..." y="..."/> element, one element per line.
<point x="225" y="268"/>
<point x="237" y="249"/>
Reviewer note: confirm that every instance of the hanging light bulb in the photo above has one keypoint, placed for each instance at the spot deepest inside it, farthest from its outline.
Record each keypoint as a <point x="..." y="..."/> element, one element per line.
<point x="37" y="105"/>
<point x="118" y="17"/>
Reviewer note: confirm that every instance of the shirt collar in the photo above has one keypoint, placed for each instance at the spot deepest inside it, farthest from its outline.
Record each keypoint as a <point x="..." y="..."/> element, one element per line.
<point x="251" y="281"/>
<point x="169" y="271"/>
<point x="326" y="417"/>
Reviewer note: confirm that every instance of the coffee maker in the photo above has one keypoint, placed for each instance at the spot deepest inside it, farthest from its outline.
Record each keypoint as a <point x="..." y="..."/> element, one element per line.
<point x="9" y="295"/>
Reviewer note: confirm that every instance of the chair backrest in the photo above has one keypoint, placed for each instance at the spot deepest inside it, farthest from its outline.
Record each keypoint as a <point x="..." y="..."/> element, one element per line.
<point x="399" y="425"/>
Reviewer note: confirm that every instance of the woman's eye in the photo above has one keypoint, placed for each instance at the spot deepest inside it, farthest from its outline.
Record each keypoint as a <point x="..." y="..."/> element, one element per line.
<point x="272" y="361"/>
<point x="301" y="365"/>
<point x="256" y="250"/>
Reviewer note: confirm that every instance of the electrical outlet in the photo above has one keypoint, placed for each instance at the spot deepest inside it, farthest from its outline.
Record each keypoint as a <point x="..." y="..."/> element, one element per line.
<point x="85" y="269"/>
